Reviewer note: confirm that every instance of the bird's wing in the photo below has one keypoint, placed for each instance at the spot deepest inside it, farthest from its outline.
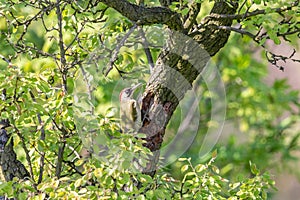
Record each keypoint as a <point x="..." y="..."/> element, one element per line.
<point x="133" y="107"/>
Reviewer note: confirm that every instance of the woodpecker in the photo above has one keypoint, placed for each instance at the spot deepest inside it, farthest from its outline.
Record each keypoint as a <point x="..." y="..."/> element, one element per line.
<point x="130" y="112"/>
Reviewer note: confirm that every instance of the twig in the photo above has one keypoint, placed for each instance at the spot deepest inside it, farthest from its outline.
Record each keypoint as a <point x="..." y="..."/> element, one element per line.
<point x="238" y="30"/>
<point x="147" y="49"/>
<point x="73" y="166"/>
<point x="74" y="150"/>
<point x="254" y="13"/>
<point x="243" y="4"/>
<point x="24" y="48"/>
<point x="274" y="58"/>
<point x="6" y="60"/>
<point x="116" y="51"/>
<point x="271" y="57"/>
<point x="60" y="156"/>
<point x="89" y="87"/>
<point x="48" y="161"/>
<point x="63" y="63"/>
<point x="64" y="72"/>
<point x="26" y="153"/>
<point x="61" y="149"/>
<point x="42" y="138"/>
<point x="18" y="132"/>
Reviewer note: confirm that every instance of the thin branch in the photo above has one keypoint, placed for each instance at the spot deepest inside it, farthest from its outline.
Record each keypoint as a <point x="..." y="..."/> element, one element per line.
<point x="73" y="166"/>
<point x="274" y="59"/>
<point x="238" y="30"/>
<point x="89" y="87"/>
<point x="289" y="32"/>
<point x="27" y="22"/>
<point x="247" y="11"/>
<point x="61" y="148"/>
<point x="18" y="132"/>
<point x="6" y="60"/>
<point x="48" y="161"/>
<point x="76" y="36"/>
<point x="64" y="72"/>
<point x="254" y="13"/>
<point x="22" y="48"/>
<point x="147" y="49"/>
<point x="241" y="7"/>
<point x="44" y="25"/>
<point x="42" y="138"/>
<point x="74" y="151"/>
<point x="26" y="152"/>
<point x="116" y="51"/>
<point x="271" y="57"/>
<point x="98" y="19"/>
<point x="60" y="156"/>
<point x="63" y="62"/>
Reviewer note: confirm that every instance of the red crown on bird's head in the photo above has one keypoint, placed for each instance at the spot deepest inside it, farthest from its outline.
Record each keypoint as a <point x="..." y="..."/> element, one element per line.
<point x="123" y="92"/>
<point x="129" y="91"/>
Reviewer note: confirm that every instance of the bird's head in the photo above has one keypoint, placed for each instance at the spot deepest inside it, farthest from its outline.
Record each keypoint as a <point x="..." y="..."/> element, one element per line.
<point x="128" y="92"/>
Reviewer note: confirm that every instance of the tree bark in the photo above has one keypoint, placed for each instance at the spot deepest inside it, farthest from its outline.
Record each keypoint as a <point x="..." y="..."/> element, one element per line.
<point x="146" y="15"/>
<point x="11" y="167"/>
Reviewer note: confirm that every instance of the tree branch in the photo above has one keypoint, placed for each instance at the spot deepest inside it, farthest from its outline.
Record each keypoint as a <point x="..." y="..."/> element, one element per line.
<point x="254" y="13"/>
<point x="42" y="138"/>
<point x="6" y="60"/>
<point x="60" y="156"/>
<point x="115" y="53"/>
<point x="63" y="62"/>
<point x="191" y="18"/>
<point x="145" y="44"/>
<point x="146" y="15"/>
<point x="271" y="57"/>
<point x="238" y="30"/>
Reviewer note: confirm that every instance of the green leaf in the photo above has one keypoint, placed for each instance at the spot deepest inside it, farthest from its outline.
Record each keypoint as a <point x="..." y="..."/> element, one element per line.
<point x="274" y="37"/>
<point x="78" y="183"/>
<point x="214" y="154"/>
<point x="41" y="145"/>
<point x="184" y="168"/>
<point x="159" y="193"/>
<point x="145" y="178"/>
<point x="182" y="159"/>
<point x="262" y="41"/>
<point x="185" y="11"/>
<point x="235" y="185"/>
<point x="200" y="168"/>
<point x="215" y="169"/>
<point x="253" y="168"/>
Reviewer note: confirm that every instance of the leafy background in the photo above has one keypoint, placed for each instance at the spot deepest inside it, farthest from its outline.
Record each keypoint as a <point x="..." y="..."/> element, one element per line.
<point x="262" y="122"/>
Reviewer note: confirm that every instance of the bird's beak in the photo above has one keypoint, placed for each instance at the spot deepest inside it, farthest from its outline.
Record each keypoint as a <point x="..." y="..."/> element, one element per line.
<point x="136" y="86"/>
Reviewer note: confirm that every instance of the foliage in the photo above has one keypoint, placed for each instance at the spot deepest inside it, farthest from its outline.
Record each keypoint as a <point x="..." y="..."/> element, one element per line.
<point x="46" y="44"/>
<point x="266" y="114"/>
<point x="202" y="181"/>
<point x="263" y="118"/>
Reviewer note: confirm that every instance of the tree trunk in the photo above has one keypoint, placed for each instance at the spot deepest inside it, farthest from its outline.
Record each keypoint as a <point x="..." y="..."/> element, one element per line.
<point x="174" y="74"/>
<point x="11" y="167"/>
